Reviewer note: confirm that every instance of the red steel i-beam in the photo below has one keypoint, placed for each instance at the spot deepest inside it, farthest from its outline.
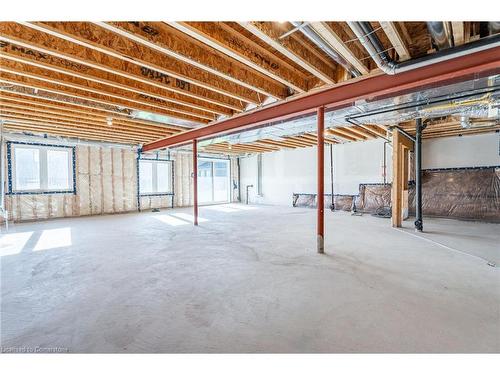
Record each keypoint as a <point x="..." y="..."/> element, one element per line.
<point x="321" y="180"/>
<point x="195" y="181"/>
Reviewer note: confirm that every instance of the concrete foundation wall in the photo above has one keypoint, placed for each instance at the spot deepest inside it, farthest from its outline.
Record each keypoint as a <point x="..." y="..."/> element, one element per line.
<point x="294" y="171"/>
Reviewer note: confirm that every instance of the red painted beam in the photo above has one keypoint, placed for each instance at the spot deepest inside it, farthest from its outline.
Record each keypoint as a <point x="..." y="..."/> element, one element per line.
<point x="374" y="86"/>
<point x="195" y="181"/>
<point x="320" y="198"/>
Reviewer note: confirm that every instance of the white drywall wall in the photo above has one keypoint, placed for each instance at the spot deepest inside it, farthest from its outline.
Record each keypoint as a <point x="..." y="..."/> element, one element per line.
<point x="294" y="171"/>
<point x="466" y="151"/>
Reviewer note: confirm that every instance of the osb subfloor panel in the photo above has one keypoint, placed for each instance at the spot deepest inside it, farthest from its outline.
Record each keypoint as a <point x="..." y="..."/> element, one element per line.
<point x="248" y="280"/>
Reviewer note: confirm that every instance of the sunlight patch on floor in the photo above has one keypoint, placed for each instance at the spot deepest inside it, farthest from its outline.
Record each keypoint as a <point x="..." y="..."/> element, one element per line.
<point x="220" y="209"/>
<point x="188" y="217"/>
<point x="170" y="220"/>
<point x="13" y="243"/>
<point x="240" y="207"/>
<point x="54" y="238"/>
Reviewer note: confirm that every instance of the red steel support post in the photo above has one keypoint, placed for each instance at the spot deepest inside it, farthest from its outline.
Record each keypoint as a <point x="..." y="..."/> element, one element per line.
<point x="195" y="181"/>
<point x="321" y="180"/>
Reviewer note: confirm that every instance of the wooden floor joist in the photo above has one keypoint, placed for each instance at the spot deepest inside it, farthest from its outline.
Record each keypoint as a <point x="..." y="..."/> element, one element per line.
<point x="304" y="139"/>
<point x="297" y="141"/>
<point x="103" y="123"/>
<point x="270" y="33"/>
<point x="340" y="134"/>
<point x="81" y="76"/>
<point x="22" y="41"/>
<point x="50" y="129"/>
<point x="275" y="143"/>
<point x="361" y="131"/>
<point x="169" y="41"/>
<point x="25" y="129"/>
<point x="458" y="30"/>
<point x="396" y="39"/>
<point x="103" y="128"/>
<point x="312" y="137"/>
<point x="376" y="130"/>
<point x="347" y="131"/>
<point x="35" y="101"/>
<point x="104" y="41"/>
<point x="94" y="98"/>
<point x="240" y="148"/>
<point x="244" y="50"/>
<point x="336" y="42"/>
<point x="268" y="145"/>
<point x="110" y="96"/>
<point x="460" y="132"/>
<point x="38" y="111"/>
<point x="130" y="86"/>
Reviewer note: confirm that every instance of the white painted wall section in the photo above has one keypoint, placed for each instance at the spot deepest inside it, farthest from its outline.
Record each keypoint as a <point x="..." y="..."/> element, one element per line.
<point x="468" y="151"/>
<point x="294" y="171"/>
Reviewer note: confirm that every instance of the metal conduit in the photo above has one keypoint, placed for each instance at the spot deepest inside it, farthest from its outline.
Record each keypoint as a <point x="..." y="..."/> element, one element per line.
<point x="391" y="67"/>
<point x="325" y="47"/>
<point x="494" y="27"/>
<point x="374" y="40"/>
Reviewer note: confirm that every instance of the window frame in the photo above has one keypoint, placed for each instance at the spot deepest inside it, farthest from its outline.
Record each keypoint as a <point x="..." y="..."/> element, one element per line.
<point x="11" y="163"/>
<point x="214" y="160"/>
<point x="172" y="185"/>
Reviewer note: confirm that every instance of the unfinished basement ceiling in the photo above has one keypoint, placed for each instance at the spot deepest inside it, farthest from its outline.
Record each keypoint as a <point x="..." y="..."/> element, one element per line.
<point x="463" y="108"/>
<point x="136" y="82"/>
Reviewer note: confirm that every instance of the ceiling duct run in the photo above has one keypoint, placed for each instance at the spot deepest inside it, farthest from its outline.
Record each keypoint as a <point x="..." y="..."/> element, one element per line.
<point x="314" y="37"/>
<point x="473" y="99"/>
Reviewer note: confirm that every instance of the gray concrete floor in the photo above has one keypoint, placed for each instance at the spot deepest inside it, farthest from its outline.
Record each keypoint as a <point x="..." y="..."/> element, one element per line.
<point x="248" y="280"/>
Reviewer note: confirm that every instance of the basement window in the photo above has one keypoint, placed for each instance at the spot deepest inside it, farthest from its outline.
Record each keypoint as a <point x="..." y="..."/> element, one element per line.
<point x="155" y="177"/>
<point x="40" y="169"/>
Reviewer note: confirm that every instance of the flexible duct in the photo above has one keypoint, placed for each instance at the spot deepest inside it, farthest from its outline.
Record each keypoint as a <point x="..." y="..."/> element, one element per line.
<point x="391" y="67"/>
<point x="325" y="47"/>
<point x="494" y="27"/>
<point x="441" y="34"/>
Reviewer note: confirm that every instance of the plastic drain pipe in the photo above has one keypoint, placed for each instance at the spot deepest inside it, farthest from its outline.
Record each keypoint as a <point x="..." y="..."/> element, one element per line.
<point x="321" y="180"/>
<point x="419" y="225"/>
<point x="332" y="206"/>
